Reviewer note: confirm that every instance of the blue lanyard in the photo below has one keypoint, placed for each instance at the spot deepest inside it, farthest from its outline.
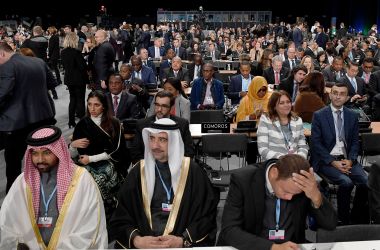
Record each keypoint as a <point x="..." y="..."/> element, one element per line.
<point x="287" y="140"/>
<point x="278" y="208"/>
<point x="46" y="203"/>
<point x="167" y="190"/>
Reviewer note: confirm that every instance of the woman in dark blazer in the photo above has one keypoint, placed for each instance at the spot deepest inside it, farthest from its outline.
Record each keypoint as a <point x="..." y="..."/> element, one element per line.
<point x="76" y="76"/>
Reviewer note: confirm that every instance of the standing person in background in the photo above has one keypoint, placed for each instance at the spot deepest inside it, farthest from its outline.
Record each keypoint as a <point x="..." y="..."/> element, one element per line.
<point x="76" y="76"/>
<point x="24" y="103"/>
<point x="53" y="52"/>
<point x="103" y="60"/>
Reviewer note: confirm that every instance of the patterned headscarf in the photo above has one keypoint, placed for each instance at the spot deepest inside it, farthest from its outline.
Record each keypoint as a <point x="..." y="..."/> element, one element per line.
<point x="175" y="152"/>
<point x="48" y="137"/>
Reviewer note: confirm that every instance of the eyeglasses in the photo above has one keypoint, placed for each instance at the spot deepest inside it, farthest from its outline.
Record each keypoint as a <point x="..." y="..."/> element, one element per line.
<point x="163" y="106"/>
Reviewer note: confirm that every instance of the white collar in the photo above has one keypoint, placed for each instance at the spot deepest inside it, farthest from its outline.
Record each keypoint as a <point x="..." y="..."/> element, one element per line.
<point x="118" y="95"/>
<point x="267" y="182"/>
<point x="335" y="109"/>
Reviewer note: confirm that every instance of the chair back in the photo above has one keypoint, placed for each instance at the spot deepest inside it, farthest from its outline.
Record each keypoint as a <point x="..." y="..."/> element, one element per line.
<point x="370" y="144"/>
<point x="199" y="116"/>
<point x="349" y="233"/>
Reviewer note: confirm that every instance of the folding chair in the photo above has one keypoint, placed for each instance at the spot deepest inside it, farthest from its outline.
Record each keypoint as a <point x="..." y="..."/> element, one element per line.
<point x="370" y="147"/>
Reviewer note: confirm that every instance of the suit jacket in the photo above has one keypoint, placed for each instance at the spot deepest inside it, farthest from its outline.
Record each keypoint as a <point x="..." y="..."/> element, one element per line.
<point x="330" y="75"/>
<point x="287" y="85"/>
<point x="374" y="192"/>
<point x="24" y="98"/>
<point x="360" y="86"/>
<point x="127" y="107"/>
<point x="286" y="63"/>
<point x="234" y="89"/>
<point x="137" y="151"/>
<point x="151" y="51"/>
<point x="150" y="64"/>
<point x="103" y="62"/>
<point x="164" y="65"/>
<point x="182" y="107"/>
<point x="182" y="75"/>
<point x="144" y="40"/>
<point x="181" y="52"/>
<point x="147" y="75"/>
<point x="75" y="67"/>
<point x="191" y="68"/>
<point x="268" y="74"/>
<point x="245" y="208"/>
<point x="324" y="139"/>
<point x="374" y="81"/>
<point x="217" y="54"/>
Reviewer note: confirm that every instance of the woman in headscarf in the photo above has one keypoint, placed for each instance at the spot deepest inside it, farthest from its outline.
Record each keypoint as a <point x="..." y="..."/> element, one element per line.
<point x="255" y="102"/>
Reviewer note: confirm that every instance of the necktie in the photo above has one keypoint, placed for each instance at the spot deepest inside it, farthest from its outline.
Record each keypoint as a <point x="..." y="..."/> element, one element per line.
<point x="339" y="124"/>
<point x="293" y="63"/>
<point x="157" y="52"/>
<point x="353" y="83"/>
<point x="176" y="52"/>
<point x="115" y="103"/>
<point x="295" y="90"/>
<point x="337" y="75"/>
<point x="367" y="77"/>
<point x="175" y="73"/>
<point x="138" y="75"/>
<point x="213" y="55"/>
<point x="144" y="63"/>
<point x="277" y="78"/>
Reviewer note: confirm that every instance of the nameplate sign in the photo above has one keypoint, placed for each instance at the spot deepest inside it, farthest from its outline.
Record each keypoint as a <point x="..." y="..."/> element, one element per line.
<point x="215" y="127"/>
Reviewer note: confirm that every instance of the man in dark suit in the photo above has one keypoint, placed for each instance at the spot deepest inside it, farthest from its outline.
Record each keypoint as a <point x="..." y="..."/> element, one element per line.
<point x="239" y="84"/>
<point x="143" y="54"/>
<point x="355" y="84"/>
<point x="141" y="72"/>
<point x="276" y="73"/>
<point x="143" y="41"/>
<point x="177" y="71"/>
<point x="334" y="72"/>
<point x="195" y="68"/>
<point x="292" y="83"/>
<point x="24" y="103"/>
<point x="321" y="38"/>
<point x="267" y="205"/>
<point x="124" y="105"/>
<point x="368" y="67"/>
<point x="178" y="50"/>
<point x="374" y="192"/>
<point x="212" y="52"/>
<point x="170" y="54"/>
<point x="103" y="60"/>
<point x="163" y="101"/>
<point x="291" y="61"/>
<point x="334" y="153"/>
<point x="156" y="51"/>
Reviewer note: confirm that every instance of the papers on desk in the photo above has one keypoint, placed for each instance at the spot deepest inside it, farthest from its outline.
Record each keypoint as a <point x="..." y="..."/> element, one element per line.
<point x="353" y="245"/>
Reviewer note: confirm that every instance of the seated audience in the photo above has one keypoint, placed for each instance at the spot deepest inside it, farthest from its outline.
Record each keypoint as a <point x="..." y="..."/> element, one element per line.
<point x="181" y="107"/>
<point x="53" y="204"/>
<point x="207" y="92"/>
<point x="267" y="205"/>
<point x="163" y="102"/>
<point x="255" y="102"/>
<point x="334" y="153"/>
<point x="280" y="131"/>
<point x="239" y="84"/>
<point x="312" y="96"/>
<point x="167" y="200"/>
<point x="98" y="144"/>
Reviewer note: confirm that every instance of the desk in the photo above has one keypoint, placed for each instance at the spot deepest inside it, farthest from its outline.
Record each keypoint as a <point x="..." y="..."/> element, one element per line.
<point x="195" y="130"/>
<point x="186" y="90"/>
<point x="353" y="245"/>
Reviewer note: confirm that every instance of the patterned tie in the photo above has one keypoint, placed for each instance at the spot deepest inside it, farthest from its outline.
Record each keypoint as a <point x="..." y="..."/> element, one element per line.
<point x="293" y="63"/>
<point x="353" y="83"/>
<point x="277" y="78"/>
<point x="339" y="124"/>
<point x="115" y="103"/>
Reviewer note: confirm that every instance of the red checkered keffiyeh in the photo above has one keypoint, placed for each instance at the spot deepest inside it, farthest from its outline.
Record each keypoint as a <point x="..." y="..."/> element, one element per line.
<point x="64" y="173"/>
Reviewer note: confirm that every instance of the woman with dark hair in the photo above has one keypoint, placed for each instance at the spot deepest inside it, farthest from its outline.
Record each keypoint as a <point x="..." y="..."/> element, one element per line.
<point x="312" y="96"/>
<point x="280" y="131"/>
<point x="98" y="143"/>
<point x="322" y="60"/>
<point x="181" y="107"/>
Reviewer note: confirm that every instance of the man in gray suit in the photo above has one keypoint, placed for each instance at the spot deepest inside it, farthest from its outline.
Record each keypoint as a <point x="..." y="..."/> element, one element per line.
<point x="24" y="103"/>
